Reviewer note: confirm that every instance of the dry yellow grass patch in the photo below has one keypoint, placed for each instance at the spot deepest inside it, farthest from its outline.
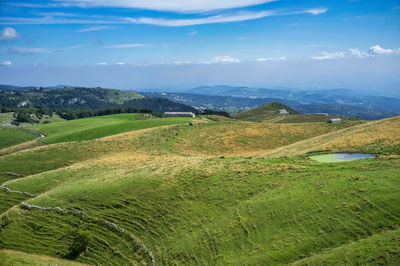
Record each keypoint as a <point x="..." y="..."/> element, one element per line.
<point x="244" y="138"/>
<point x="382" y="132"/>
<point x="13" y="257"/>
<point x="21" y="147"/>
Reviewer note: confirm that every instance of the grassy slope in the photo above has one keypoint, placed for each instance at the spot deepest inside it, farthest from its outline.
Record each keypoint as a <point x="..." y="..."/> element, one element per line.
<point x="197" y="210"/>
<point x="374" y="137"/>
<point x="97" y="127"/>
<point x="13" y="136"/>
<point x="378" y="249"/>
<point x="12" y="257"/>
<point x="265" y="112"/>
<point x="5" y="118"/>
<point x="245" y="138"/>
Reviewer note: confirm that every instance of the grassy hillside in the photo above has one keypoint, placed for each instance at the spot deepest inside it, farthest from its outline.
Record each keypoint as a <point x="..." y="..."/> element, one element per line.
<point x="13" y="136"/>
<point x="97" y="127"/>
<point x="245" y="138"/>
<point x="265" y="112"/>
<point x="132" y="199"/>
<point x="374" y="137"/>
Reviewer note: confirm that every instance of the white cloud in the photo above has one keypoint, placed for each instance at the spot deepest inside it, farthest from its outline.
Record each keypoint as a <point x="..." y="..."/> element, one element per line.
<point x="264" y="59"/>
<point x="6" y="63"/>
<point x="121" y="63"/>
<point x="221" y="18"/>
<point x="243" y="16"/>
<point x="225" y="59"/>
<point x="94" y="29"/>
<point x="193" y="32"/>
<point x="26" y="51"/>
<point x="184" y="6"/>
<point x="128" y="45"/>
<point x="377" y="50"/>
<point x="102" y="64"/>
<point x="354" y="52"/>
<point x="8" y="34"/>
<point x="329" y="56"/>
<point x="224" y="18"/>
<point x="57" y="14"/>
<point x="316" y="11"/>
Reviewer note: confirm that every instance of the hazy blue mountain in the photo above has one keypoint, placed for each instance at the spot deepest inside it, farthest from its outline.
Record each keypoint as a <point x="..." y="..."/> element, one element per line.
<point x="380" y="108"/>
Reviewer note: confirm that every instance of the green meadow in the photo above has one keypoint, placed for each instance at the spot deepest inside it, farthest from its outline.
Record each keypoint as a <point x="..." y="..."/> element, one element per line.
<point x="13" y="136"/>
<point x="97" y="127"/>
<point x="133" y="198"/>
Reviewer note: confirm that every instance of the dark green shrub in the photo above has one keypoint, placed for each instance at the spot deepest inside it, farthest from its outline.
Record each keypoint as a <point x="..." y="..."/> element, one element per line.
<point x="79" y="244"/>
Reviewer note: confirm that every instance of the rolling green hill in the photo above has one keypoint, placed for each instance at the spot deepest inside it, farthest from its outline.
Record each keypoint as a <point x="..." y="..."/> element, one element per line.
<point x="97" y="127"/>
<point x="13" y="136"/>
<point x="132" y="198"/>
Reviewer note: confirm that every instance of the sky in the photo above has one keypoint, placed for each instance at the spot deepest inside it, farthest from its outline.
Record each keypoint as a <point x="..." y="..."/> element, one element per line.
<point x="175" y="45"/>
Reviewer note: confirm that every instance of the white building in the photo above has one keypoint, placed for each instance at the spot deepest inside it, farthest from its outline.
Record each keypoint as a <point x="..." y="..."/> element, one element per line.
<point x="179" y="114"/>
<point x="283" y="112"/>
<point x="335" y="120"/>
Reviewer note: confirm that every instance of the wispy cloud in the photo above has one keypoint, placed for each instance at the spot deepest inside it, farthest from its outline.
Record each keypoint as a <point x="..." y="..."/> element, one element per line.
<point x="224" y="59"/>
<point x="6" y="63"/>
<point x="198" y="21"/>
<point x="224" y="18"/>
<point x="94" y="28"/>
<point x="57" y="14"/>
<point x="26" y="51"/>
<point x="316" y="11"/>
<point x="354" y="52"/>
<point x="183" y="6"/>
<point x="127" y="45"/>
<point x="193" y="32"/>
<point x="8" y="34"/>
<point x="278" y="59"/>
<point x="221" y="18"/>
<point x="328" y="56"/>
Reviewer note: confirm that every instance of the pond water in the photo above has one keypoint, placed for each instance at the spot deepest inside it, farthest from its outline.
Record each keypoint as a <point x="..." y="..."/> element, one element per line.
<point x="340" y="157"/>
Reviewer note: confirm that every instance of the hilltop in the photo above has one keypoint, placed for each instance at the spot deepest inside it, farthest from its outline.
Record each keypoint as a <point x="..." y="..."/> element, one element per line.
<point x="118" y="190"/>
<point x="264" y="112"/>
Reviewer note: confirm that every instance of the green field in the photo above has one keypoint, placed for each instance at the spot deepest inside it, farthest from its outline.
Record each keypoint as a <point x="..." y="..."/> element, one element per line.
<point x="13" y="136"/>
<point x="97" y="127"/>
<point x="131" y="198"/>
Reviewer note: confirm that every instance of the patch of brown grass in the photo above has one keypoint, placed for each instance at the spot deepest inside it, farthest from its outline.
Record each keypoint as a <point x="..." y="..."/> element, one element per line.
<point x="244" y="138"/>
<point x="382" y="132"/>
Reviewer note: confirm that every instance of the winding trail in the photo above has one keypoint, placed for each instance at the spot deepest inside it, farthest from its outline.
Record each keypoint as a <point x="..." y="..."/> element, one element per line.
<point x="33" y="132"/>
<point x="74" y="211"/>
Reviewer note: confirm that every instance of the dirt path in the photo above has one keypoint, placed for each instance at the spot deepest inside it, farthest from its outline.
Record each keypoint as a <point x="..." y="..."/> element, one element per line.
<point x="33" y="132"/>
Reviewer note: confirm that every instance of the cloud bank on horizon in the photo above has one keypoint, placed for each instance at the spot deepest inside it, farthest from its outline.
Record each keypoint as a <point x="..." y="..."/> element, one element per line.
<point x="293" y="44"/>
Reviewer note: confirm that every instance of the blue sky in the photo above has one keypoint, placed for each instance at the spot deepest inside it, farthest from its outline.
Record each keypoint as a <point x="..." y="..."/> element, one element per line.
<point x="148" y="44"/>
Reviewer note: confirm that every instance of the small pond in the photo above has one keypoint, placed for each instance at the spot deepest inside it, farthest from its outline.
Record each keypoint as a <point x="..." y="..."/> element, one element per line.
<point x="340" y="157"/>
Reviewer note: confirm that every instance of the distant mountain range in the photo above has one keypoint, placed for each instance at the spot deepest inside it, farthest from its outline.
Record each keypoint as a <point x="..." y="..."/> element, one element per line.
<point x="339" y="102"/>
